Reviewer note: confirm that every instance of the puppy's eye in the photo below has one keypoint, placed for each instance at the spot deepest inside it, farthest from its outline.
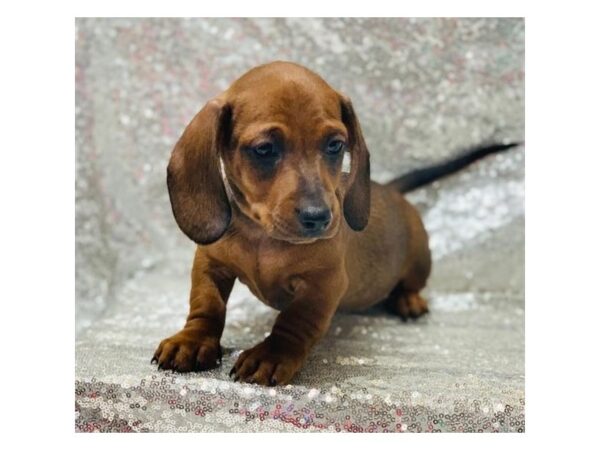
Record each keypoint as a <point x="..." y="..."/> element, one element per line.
<point x="266" y="150"/>
<point x="335" y="146"/>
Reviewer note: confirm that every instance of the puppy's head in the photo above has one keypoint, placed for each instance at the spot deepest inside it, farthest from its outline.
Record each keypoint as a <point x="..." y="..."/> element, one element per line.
<point x="278" y="137"/>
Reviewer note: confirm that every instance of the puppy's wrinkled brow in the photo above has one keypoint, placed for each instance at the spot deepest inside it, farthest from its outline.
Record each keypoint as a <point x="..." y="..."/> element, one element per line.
<point x="256" y="134"/>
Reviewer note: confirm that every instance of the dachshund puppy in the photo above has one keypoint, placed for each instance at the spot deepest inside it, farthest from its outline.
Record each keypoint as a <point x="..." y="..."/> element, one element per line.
<point x="256" y="181"/>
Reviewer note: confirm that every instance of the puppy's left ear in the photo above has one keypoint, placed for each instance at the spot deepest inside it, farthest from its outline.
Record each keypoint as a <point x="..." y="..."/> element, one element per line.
<point x="357" y="201"/>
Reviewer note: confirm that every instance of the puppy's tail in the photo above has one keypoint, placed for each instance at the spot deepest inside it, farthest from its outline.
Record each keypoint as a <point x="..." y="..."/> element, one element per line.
<point x="420" y="177"/>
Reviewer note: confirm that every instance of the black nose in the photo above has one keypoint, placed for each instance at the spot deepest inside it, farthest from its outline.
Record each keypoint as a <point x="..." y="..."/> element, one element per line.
<point x="314" y="219"/>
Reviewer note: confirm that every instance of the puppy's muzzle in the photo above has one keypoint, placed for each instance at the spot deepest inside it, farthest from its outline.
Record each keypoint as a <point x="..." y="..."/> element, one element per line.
<point x="313" y="219"/>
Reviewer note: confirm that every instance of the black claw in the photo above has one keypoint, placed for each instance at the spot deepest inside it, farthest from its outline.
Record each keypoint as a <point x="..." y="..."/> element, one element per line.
<point x="272" y="382"/>
<point x="236" y="378"/>
<point x="232" y="371"/>
<point x="161" y="367"/>
<point x="154" y="360"/>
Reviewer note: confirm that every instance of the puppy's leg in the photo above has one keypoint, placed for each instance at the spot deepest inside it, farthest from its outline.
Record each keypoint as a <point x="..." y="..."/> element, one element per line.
<point x="405" y="300"/>
<point x="297" y="329"/>
<point x="197" y="345"/>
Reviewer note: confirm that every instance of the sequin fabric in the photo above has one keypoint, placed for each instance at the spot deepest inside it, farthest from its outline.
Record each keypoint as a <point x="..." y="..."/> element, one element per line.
<point x="423" y="89"/>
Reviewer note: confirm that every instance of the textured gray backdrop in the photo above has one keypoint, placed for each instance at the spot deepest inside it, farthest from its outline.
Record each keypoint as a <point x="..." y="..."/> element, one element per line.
<point x="423" y="90"/>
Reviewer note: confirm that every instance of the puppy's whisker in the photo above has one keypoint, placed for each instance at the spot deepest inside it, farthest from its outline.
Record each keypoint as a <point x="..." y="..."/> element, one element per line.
<point x="281" y="224"/>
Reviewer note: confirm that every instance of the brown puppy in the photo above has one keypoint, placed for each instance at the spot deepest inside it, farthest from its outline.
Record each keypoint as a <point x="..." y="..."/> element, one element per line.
<point x="256" y="180"/>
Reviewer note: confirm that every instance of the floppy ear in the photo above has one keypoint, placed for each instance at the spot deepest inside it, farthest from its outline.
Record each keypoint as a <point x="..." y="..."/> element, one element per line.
<point x="357" y="201"/>
<point x="198" y="197"/>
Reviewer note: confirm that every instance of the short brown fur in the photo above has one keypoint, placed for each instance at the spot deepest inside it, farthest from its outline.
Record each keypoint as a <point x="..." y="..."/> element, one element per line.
<point x="374" y="247"/>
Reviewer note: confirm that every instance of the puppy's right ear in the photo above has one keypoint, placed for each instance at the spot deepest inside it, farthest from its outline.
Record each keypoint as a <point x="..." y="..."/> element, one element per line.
<point x="198" y="197"/>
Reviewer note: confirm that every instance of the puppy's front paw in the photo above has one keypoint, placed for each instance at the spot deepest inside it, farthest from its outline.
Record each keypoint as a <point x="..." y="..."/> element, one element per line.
<point x="186" y="352"/>
<point x="268" y="364"/>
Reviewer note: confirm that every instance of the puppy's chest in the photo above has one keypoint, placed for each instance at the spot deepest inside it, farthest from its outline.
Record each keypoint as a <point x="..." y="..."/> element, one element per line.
<point x="271" y="275"/>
